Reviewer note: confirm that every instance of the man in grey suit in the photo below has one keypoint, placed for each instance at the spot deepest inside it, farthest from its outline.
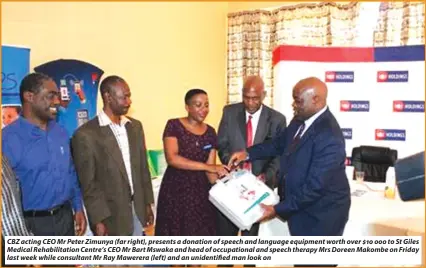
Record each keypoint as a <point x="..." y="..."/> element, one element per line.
<point x="243" y="125"/>
<point x="110" y="158"/>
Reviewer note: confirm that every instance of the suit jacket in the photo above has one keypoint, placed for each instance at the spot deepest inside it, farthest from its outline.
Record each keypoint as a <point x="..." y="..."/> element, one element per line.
<point x="316" y="197"/>
<point x="104" y="181"/>
<point x="232" y="137"/>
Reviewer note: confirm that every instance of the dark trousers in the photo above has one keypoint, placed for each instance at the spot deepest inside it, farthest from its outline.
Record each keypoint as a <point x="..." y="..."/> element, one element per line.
<point x="59" y="224"/>
<point x="225" y="227"/>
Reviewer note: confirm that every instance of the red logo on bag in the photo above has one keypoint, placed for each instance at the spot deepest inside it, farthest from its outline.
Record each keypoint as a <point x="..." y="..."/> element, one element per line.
<point x="248" y="195"/>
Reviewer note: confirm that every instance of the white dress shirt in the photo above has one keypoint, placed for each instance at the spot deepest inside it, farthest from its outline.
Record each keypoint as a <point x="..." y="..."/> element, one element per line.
<point x="254" y="121"/>
<point x="311" y="120"/>
<point x="120" y="134"/>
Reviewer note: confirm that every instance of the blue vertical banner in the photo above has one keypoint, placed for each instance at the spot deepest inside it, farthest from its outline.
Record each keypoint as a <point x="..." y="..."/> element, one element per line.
<point x="78" y="83"/>
<point x="15" y="65"/>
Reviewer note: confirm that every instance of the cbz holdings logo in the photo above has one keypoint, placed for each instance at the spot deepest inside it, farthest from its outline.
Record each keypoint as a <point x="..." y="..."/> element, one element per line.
<point x="409" y="106"/>
<point x="354" y="106"/>
<point x="390" y="134"/>
<point x="339" y="77"/>
<point x="392" y="76"/>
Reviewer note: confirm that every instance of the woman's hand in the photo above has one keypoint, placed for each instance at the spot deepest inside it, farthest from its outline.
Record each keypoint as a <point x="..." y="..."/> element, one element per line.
<point x="220" y="170"/>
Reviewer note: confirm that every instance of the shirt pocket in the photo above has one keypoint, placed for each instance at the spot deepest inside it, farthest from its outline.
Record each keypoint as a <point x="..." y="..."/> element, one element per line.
<point x="63" y="158"/>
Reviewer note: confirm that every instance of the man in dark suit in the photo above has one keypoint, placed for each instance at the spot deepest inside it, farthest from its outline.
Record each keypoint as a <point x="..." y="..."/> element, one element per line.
<point x="316" y="198"/>
<point x="242" y="125"/>
<point x="111" y="161"/>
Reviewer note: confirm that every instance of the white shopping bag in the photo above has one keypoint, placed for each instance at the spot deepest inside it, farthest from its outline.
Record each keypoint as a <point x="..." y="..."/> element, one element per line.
<point x="238" y="197"/>
<point x="274" y="227"/>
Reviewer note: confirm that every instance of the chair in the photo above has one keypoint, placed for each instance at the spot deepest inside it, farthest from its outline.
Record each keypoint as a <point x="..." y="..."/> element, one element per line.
<point x="373" y="161"/>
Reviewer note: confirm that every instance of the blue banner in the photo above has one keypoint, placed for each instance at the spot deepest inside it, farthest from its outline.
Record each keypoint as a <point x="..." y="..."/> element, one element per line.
<point x="78" y="83"/>
<point x="15" y="65"/>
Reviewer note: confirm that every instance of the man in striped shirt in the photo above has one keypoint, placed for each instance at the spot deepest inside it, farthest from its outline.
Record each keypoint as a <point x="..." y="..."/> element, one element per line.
<point x="12" y="220"/>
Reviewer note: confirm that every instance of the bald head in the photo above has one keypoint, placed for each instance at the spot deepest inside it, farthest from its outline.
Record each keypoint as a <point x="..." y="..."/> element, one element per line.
<point x="319" y="87"/>
<point x="255" y="82"/>
<point x="253" y="93"/>
<point x="309" y="97"/>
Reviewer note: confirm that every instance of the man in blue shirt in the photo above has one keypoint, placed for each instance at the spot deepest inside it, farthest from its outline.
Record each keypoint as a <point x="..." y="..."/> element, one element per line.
<point x="38" y="150"/>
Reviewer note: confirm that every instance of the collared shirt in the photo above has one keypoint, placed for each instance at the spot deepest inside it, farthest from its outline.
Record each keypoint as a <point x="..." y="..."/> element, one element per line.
<point x="42" y="162"/>
<point x="311" y="120"/>
<point x="120" y="134"/>
<point x="254" y="121"/>
<point x="12" y="220"/>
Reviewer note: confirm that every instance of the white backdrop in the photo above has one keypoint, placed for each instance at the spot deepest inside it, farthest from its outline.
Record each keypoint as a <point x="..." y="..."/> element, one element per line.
<point x="378" y="81"/>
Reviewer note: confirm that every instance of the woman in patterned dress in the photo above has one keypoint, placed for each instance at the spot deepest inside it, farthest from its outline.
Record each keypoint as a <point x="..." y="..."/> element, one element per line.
<point x="190" y="148"/>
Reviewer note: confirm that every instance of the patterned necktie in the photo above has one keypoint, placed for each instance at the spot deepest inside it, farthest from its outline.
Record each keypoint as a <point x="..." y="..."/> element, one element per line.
<point x="249" y="131"/>
<point x="298" y="136"/>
